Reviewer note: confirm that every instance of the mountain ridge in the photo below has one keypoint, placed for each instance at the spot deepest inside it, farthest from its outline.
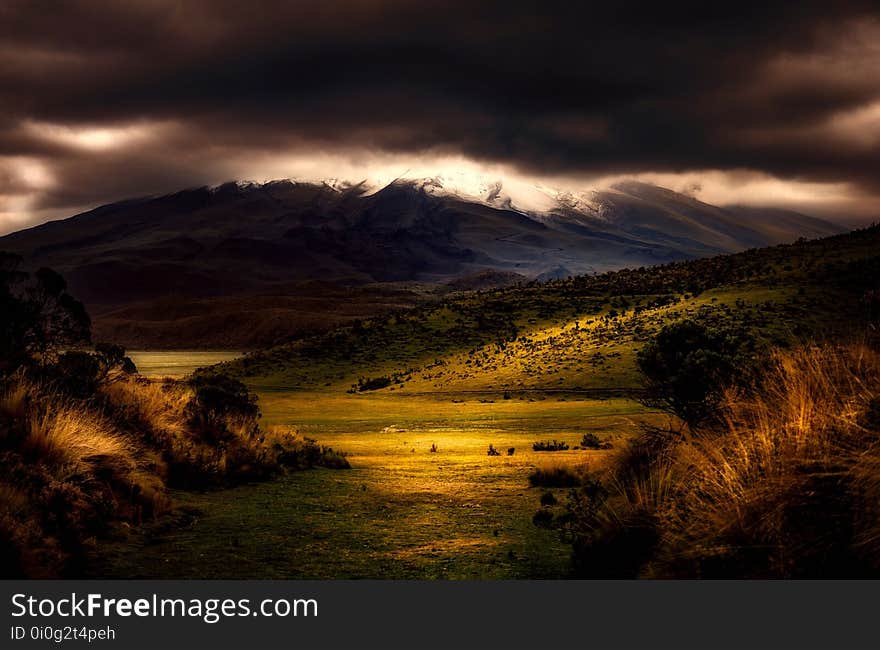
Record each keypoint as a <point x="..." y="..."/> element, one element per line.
<point x="240" y="240"/>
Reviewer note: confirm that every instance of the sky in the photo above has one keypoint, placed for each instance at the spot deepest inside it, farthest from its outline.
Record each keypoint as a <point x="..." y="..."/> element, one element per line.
<point x="775" y="104"/>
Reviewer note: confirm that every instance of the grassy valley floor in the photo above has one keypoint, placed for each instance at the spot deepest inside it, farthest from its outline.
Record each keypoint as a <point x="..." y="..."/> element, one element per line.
<point x="506" y="367"/>
<point x="402" y="511"/>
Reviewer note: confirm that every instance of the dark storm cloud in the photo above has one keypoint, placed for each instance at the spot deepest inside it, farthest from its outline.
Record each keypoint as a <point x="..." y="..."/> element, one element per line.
<point x="548" y="87"/>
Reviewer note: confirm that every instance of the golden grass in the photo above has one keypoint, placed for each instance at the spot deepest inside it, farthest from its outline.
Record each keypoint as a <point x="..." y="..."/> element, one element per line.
<point x="159" y="405"/>
<point x="804" y="421"/>
<point x="792" y="462"/>
<point x="71" y="437"/>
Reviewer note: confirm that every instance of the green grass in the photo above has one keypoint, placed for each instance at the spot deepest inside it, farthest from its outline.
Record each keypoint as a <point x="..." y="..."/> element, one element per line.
<point x="504" y="367"/>
<point x="402" y="511"/>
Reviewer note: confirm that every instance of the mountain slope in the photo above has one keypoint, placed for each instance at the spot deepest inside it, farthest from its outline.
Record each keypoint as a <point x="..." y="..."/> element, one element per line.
<point x="250" y="240"/>
<point x="581" y="334"/>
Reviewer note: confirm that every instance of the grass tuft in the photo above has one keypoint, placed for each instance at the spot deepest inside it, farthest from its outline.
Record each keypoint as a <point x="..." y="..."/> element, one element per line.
<point x="785" y="486"/>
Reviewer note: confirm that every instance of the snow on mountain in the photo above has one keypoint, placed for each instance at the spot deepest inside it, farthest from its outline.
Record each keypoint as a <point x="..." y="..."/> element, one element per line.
<point x="530" y="199"/>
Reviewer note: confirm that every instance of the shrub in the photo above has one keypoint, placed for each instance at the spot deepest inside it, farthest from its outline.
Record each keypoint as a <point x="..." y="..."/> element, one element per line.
<point x="292" y="450"/>
<point x="217" y="397"/>
<point x="592" y="441"/>
<point x="79" y="374"/>
<point x="374" y="383"/>
<point x="37" y="315"/>
<point x="554" y="477"/>
<point x="549" y="445"/>
<point x="688" y="366"/>
<point x="543" y="518"/>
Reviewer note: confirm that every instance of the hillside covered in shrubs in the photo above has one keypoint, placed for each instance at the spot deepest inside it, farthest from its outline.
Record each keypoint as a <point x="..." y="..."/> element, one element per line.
<point x="86" y="444"/>
<point x="583" y="332"/>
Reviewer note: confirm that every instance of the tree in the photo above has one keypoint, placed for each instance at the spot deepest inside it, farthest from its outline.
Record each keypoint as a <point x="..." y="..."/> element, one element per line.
<point x="37" y="315"/>
<point x="688" y="366"/>
<point x="219" y="398"/>
<point x="79" y="374"/>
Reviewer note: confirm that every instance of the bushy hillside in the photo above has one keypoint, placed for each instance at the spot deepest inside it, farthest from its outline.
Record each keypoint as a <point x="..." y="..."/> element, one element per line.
<point x="583" y="332"/>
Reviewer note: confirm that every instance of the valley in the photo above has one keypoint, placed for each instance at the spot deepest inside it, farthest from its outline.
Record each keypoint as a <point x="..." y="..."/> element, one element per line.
<point x="502" y="367"/>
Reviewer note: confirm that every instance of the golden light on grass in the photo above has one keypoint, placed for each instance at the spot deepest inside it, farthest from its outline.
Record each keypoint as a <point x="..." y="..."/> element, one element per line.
<point x="796" y="451"/>
<point x="66" y="435"/>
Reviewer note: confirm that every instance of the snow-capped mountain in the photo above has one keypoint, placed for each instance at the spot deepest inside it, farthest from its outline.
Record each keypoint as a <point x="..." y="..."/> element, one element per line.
<point x="233" y="253"/>
<point x="241" y="237"/>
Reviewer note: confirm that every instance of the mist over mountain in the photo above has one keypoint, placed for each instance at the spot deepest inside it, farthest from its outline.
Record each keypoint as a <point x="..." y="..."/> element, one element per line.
<point x="239" y="240"/>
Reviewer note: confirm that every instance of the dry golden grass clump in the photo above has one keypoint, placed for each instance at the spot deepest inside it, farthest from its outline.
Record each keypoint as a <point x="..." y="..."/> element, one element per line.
<point x="200" y="446"/>
<point x="788" y="485"/>
<point x="71" y="468"/>
<point x="68" y="472"/>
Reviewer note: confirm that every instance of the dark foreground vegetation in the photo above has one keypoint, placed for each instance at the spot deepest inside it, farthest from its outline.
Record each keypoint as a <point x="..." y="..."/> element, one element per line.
<point x="86" y="444"/>
<point x="784" y="482"/>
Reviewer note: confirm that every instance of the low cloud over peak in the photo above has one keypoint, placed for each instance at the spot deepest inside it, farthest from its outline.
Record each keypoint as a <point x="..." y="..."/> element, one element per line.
<point x="100" y="100"/>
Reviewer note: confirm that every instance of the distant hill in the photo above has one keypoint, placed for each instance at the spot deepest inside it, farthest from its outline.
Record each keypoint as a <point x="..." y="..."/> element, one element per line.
<point x="227" y="250"/>
<point x="486" y="279"/>
<point x="581" y="334"/>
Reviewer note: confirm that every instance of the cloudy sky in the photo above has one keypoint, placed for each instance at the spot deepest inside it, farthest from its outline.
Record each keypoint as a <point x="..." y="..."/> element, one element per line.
<point x="776" y="104"/>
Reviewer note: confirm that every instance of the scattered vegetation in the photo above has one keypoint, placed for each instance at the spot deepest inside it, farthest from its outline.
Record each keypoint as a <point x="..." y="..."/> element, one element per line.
<point x="582" y="333"/>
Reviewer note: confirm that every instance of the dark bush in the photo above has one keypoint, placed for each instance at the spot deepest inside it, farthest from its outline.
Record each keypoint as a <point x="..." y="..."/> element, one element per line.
<point x="374" y="383"/>
<point x="608" y="546"/>
<point x="688" y="365"/>
<point x="550" y="445"/>
<point x="543" y="518"/>
<point x="554" y="477"/>
<point x="79" y="374"/>
<point x="113" y="357"/>
<point x="592" y="441"/>
<point x="36" y="315"/>
<point x="218" y="398"/>
<point x="307" y="453"/>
